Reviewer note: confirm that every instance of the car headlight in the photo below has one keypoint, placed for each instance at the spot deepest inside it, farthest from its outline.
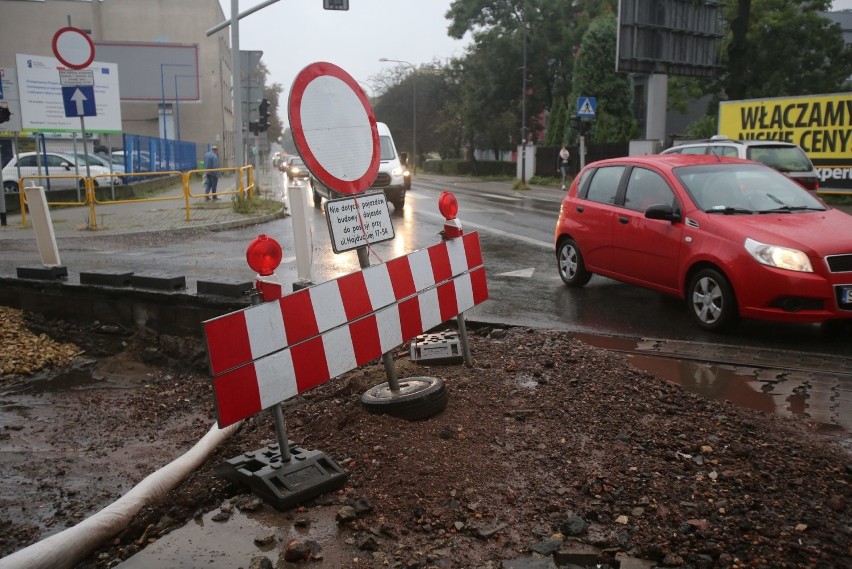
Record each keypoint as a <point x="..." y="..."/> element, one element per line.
<point x="397" y="172"/>
<point x="780" y="257"/>
<point x="294" y="170"/>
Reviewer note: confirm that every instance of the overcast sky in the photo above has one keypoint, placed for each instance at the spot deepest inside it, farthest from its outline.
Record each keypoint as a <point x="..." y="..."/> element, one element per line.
<point x="295" y="33"/>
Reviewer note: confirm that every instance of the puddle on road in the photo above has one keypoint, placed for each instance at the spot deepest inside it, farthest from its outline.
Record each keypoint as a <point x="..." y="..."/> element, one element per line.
<point x="821" y="398"/>
<point x="225" y="545"/>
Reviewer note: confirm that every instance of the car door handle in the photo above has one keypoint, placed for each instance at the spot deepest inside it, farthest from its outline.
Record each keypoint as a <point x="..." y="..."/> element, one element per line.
<point x="622" y="219"/>
<point x="580" y="209"/>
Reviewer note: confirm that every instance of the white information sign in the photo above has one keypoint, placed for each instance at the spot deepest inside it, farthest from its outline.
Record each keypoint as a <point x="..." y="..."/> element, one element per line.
<point x="9" y="102"/>
<point x="76" y="77"/>
<point x="42" y="107"/>
<point x="358" y="221"/>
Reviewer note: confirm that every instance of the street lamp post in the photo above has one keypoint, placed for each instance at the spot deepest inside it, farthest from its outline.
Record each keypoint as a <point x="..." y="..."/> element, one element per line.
<point x="413" y="109"/>
<point x="163" y="87"/>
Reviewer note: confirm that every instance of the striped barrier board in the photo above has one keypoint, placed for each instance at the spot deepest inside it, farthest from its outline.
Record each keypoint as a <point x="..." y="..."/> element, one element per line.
<point x="267" y="353"/>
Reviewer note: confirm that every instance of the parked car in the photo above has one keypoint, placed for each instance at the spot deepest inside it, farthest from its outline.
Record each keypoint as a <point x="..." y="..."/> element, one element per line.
<point x="52" y="164"/>
<point x="733" y="238"/>
<point x="138" y="162"/>
<point x="783" y="156"/>
<point x="100" y="160"/>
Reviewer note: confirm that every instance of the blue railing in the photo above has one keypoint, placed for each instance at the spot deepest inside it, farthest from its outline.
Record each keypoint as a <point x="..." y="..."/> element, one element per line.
<point x="149" y="154"/>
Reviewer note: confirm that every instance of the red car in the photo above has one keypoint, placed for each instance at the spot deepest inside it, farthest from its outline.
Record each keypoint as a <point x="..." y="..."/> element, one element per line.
<point x="734" y="238"/>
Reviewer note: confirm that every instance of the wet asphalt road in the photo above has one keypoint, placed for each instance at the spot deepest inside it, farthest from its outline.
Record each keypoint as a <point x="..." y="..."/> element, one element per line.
<point x="516" y="232"/>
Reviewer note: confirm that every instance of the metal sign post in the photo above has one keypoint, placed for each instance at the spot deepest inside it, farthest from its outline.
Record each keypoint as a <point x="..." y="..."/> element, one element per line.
<point x="586" y="108"/>
<point x="78" y="97"/>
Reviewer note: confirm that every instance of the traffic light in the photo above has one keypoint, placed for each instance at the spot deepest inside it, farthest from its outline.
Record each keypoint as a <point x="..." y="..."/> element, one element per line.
<point x="5" y="114"/>
<point x="335" y="4"/>
<point x="585" y="127"/>
<point x="263" y="116"/>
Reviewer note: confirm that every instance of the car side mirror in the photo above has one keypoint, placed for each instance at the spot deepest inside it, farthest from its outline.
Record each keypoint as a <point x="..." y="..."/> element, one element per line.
<point x="662" y="211"/>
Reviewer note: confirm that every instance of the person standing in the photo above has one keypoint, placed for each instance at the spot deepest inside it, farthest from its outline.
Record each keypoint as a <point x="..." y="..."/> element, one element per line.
<point x="211" y="179"/>
<point x="563" y="164"/>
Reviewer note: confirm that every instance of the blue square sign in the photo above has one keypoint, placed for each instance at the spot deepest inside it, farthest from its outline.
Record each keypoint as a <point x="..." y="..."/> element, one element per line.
<point x="79" y="101"/>
<point x="587" y="106"/>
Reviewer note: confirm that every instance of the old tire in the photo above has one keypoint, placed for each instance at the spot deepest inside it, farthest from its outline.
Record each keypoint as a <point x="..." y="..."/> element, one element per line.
<point x="418" y="398"/>
<point x="570" y="263"/>
<point x="712" y="304"/>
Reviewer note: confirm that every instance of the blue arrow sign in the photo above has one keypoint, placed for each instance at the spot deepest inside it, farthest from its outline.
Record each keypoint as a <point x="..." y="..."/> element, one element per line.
<point x="586" y="106"/>
<point x="79" y="101"/>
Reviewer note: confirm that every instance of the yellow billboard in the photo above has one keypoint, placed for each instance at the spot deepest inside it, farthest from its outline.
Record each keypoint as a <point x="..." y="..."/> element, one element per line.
<point x="820" y="124"/>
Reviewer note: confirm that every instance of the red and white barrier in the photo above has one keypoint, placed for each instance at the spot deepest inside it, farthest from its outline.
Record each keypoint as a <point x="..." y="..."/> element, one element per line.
<point x="267" y="353"/>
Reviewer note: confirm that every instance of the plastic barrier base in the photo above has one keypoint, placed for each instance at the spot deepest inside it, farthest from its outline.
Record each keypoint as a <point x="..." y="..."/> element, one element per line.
<point x="284" y="485"/>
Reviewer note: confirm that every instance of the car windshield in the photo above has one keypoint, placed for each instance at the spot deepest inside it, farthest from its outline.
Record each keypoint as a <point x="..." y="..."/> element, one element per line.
<point x="782" y="158"/>
<point x="743" y="188"/>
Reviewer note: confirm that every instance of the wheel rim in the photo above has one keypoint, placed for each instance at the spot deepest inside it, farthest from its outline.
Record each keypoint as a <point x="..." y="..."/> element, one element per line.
<point x="568" y="262"/>
<point x="406" y="386"/>
<point x="707" y="300"/>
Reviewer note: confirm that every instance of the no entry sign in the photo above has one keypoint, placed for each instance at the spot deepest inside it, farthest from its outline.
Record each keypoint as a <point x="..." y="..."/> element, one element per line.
<point x="73" y="47"/>
<point x="334" y="128"/>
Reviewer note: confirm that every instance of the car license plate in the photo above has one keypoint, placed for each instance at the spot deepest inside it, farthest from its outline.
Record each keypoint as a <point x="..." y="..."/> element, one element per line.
<point x="846" y="295"/>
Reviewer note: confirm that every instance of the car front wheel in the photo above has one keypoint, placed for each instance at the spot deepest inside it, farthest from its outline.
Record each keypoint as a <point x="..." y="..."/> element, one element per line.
<point x="10" y="187"/>
<point x="712" y="304"/>
<point x="572" y="269"/>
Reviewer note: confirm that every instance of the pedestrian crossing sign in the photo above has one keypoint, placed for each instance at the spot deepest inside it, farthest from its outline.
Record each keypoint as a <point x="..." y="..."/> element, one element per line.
<point x="586" y="106"/>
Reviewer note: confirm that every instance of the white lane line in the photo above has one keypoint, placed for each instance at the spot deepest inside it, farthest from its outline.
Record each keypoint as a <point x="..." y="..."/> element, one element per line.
<point x="470" y="224"/>
<point x="522" y="273"/>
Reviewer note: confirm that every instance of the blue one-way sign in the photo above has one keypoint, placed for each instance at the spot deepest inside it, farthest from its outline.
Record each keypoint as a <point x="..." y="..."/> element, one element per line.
<point x="79" y="101"/>
<point x="586" y="106"/>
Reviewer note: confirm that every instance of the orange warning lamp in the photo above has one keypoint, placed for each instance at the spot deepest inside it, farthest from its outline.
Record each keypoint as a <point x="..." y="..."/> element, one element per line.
<point x="448" y="205"/>
<point x="264" y="255"/>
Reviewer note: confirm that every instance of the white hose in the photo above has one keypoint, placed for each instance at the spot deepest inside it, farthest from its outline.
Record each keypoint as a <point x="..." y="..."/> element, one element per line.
<point x="67" y="548"/>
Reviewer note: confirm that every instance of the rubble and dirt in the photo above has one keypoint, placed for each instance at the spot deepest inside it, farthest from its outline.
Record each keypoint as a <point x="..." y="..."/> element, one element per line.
<point x="549" y="448"/>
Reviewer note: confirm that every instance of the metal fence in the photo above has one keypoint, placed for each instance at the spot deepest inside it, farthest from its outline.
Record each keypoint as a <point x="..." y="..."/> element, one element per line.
<point x="131" y="153"/>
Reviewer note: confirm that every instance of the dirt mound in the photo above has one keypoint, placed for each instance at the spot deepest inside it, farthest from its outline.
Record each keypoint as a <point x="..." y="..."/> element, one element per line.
<point x="547" y="444"/>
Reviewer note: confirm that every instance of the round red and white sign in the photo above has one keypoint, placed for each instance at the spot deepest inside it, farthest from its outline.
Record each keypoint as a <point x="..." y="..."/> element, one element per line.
<point x="334" y="128"/>
<point x="73" y="48"/>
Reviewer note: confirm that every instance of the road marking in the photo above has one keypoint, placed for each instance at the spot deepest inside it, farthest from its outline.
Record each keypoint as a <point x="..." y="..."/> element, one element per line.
<point x="522" y="273"/>
<point x="477" y="226"/>
<point x="499" y="197"/>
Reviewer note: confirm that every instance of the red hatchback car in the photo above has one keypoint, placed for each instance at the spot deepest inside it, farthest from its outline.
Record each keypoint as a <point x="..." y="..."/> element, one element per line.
<point x="732" y="237"/>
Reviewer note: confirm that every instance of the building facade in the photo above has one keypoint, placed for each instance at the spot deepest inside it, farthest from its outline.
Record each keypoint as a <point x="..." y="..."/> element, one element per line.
<point x="28" y="26"/>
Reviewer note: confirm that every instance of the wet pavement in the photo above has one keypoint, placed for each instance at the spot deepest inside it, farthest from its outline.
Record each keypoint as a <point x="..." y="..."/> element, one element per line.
<point x="815" y="387"/>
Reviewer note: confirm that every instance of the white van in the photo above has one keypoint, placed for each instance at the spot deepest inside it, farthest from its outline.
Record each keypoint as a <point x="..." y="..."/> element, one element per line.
<point x="391" y="177"/>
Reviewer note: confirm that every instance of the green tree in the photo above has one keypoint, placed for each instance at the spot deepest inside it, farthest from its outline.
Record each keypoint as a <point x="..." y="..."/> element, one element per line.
<point x="437" y="91"/>
<point x="271" y="93"/>
<point x="557" y="129"/>
<point x="614" y="121"/>
<point x="493" y="83"/>
<point x="783" y="47"/>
